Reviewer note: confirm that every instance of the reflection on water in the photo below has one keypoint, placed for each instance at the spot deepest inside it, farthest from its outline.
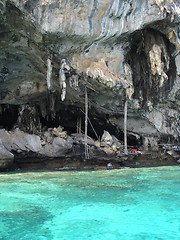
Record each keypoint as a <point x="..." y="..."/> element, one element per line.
<point x="117" y="204"/>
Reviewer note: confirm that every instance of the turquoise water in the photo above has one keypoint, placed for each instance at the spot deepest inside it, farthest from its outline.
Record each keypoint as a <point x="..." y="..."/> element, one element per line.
<point x="118" y="204"/>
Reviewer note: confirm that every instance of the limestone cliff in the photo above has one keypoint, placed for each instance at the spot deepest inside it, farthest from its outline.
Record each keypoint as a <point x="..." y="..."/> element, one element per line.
<point x="50" y="50"/>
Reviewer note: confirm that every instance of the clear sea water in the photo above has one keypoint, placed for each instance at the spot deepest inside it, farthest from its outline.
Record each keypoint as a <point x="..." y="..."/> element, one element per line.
<point x="97" y="205"/>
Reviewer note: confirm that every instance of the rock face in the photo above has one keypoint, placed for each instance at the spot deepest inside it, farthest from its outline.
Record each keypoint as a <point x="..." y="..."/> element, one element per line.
<point x="51" y="50"/>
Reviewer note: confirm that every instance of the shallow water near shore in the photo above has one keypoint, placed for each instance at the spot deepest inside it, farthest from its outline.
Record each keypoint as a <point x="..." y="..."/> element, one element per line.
<point x="116" y="204"/>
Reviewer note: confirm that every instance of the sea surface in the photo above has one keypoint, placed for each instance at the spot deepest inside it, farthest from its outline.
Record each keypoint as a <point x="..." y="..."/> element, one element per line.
<point x="127" y="204"/>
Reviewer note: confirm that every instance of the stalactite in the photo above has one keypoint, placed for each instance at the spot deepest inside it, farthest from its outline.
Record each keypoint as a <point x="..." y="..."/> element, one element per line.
<point x="49" y="74"/>
<point x="62" y="78"/>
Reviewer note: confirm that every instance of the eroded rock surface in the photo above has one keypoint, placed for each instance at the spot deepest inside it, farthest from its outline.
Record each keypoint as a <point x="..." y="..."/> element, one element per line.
<point x="110" y="47"/>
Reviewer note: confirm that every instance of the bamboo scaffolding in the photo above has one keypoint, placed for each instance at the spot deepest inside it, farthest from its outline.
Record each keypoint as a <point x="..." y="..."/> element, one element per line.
<point x="125" y="126"/>
<point x="86" y="125"/>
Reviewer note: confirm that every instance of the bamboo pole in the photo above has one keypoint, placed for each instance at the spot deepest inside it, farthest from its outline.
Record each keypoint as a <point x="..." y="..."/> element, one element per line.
<point x="86" y="124"/>
<point x="125" y="126"/>
<point x="91" y="126"/>
<point x="79" y="125"/>
<point x="49" y="73"/>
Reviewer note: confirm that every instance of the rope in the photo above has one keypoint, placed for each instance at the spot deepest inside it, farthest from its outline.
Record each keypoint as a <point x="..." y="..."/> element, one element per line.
<point x="91" y="126"/>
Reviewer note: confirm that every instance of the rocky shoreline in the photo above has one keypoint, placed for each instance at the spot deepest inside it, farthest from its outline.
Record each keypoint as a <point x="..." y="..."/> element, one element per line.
<point x="54" y="149"/>
<point x="59" y="164"/>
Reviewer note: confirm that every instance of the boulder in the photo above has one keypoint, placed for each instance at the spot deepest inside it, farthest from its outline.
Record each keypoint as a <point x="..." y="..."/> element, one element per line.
<point x="48" y="137"/>
<point x="18" y="141"/>
<point x="6" y="157"/>
<point x="58" y="148"/>
<point x="79" y="138"/>
<point x="106" y="139"/>
<point x="70" y="140"/>
<point x="22" y="141"/>
<point x="33" y="143"/>
<point x="6" y="139"/>
<point x="60" y="144"/>
<point x="108" y="150"/>
<point x="116" y="141"/>
<point x="4" y="153"/>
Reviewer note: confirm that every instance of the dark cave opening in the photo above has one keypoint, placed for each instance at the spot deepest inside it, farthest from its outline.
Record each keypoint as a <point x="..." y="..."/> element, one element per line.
<point x="73" y="118"/>
<point x="8" y="116"/>
<point x="133" y="141"/>
<point x="70" y="118"/>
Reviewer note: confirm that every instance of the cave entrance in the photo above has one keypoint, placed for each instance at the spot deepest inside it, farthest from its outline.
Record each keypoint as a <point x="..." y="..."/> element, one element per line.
<point x="70" y="118"/>
<point x="8" y="116"/>
<point x="134" y="141"/>
<point x="73" y="120"/>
